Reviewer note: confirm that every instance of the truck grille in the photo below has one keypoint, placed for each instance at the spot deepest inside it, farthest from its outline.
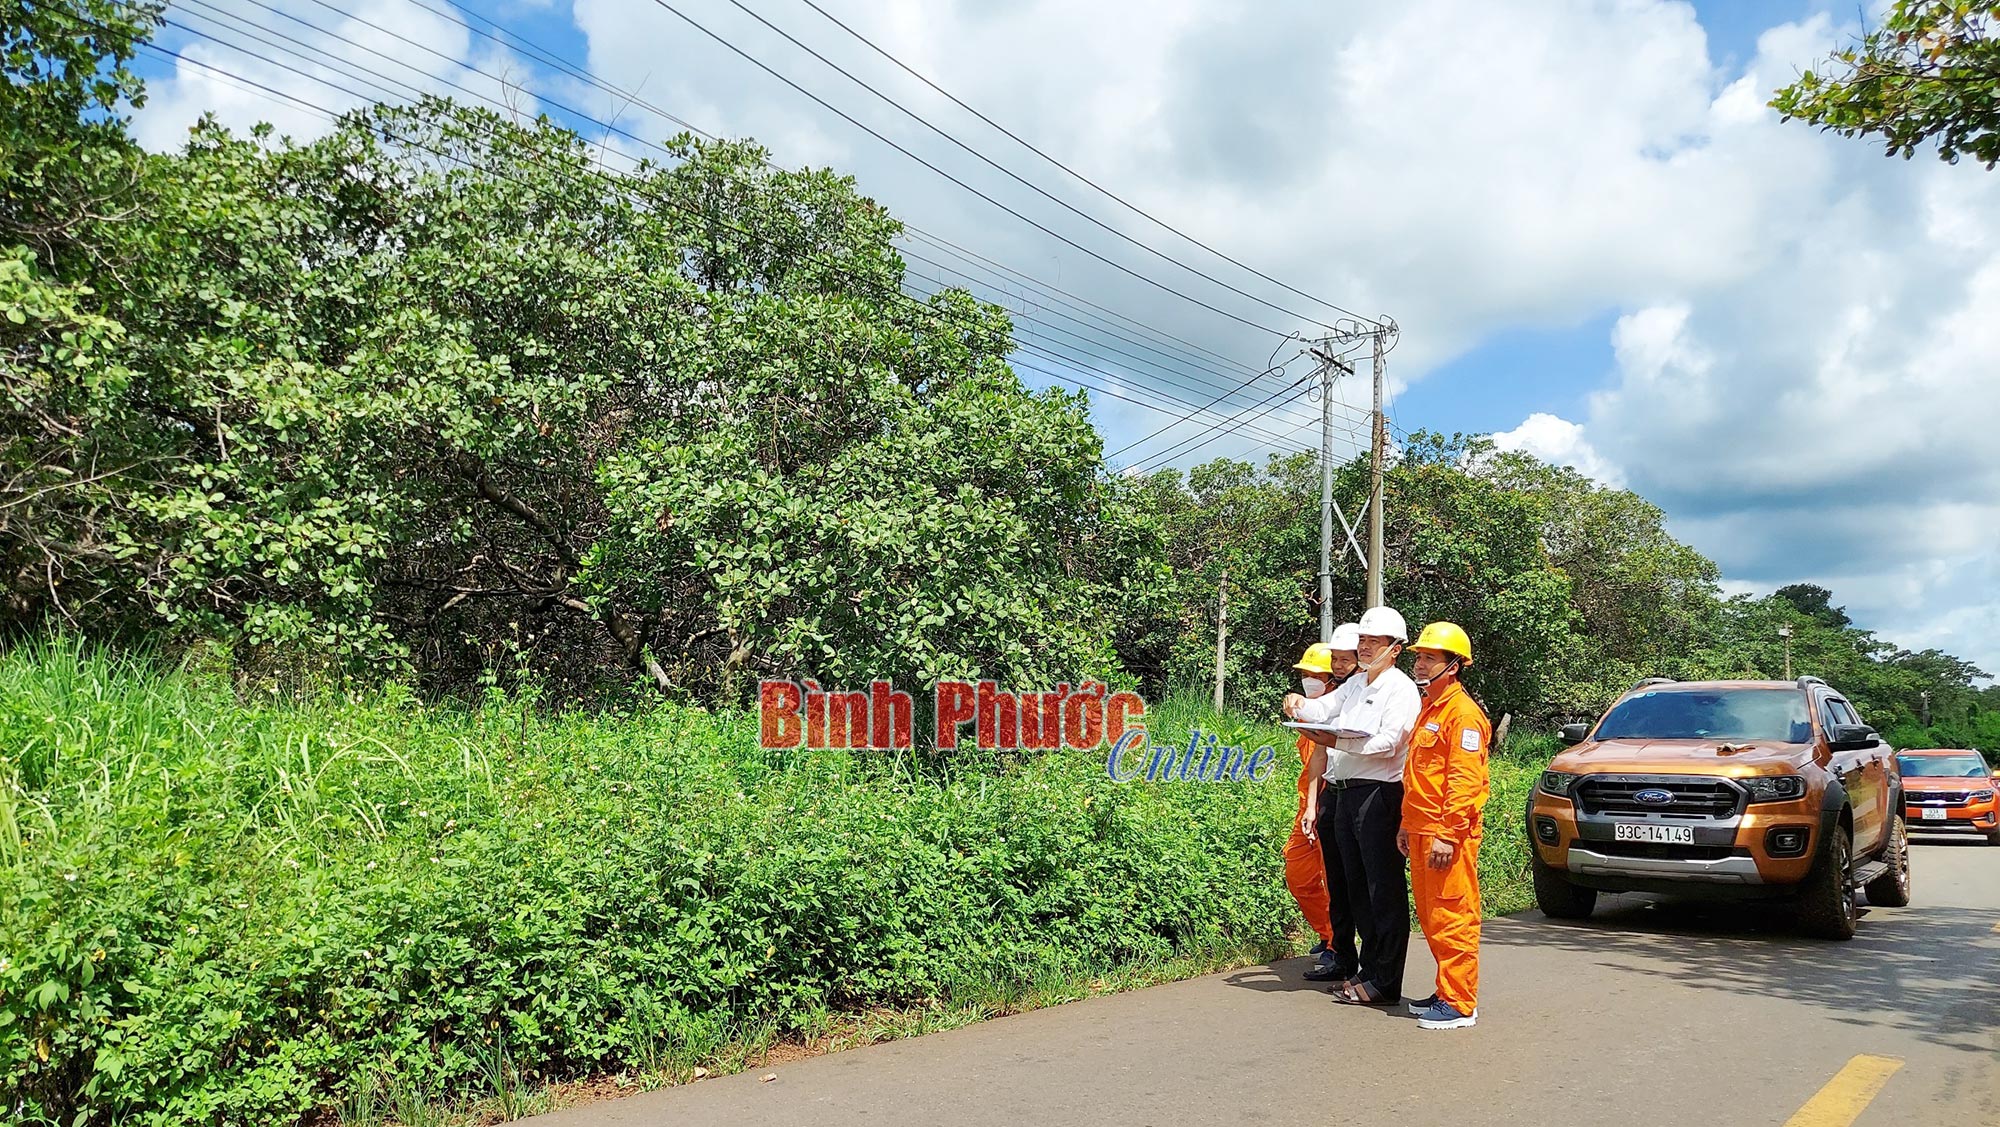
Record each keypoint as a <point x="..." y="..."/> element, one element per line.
<point x="1693" y="797"/>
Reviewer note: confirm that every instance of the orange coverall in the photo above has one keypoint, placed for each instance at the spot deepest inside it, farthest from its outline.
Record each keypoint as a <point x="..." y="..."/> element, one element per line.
<point x="1305" y="870"/>
<point x="1444" y="790"/>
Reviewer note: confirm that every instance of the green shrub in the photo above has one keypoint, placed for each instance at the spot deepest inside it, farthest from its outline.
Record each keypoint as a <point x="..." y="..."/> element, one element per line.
<point x="219" y="913"/>
<point x="230" y="913"/>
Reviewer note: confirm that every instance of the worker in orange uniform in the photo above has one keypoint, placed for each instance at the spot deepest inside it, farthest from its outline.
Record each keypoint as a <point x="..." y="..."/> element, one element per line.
<point x="1323" y="668"/>
<point x="1444" y="791"/>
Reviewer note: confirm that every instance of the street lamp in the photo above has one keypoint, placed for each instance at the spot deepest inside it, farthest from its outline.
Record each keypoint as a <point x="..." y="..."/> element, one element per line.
<point x="1785" y="632"/>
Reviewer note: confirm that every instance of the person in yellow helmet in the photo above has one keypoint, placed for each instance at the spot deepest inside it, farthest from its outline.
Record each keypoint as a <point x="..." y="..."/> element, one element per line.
<point x="1322" y="669"/>
<point x="1444" y="794"/>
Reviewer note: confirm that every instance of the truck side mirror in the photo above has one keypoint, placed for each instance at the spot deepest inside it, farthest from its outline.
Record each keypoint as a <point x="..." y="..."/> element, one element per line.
<point x="1851" y="737"/>
<point x="1574" y="734"/>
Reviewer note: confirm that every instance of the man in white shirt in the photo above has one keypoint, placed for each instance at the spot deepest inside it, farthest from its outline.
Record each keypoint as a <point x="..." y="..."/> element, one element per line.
<point x="1370" y="717"/>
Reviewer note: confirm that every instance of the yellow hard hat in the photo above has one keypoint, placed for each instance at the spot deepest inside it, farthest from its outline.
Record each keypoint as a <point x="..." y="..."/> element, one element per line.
<point x="1318" y="659"/>
<point x="1445" y="637"/>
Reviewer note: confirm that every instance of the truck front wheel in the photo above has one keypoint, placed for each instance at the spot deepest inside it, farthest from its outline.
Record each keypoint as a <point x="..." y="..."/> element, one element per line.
<point x="1557" y="897"/>
<point x="1826" y="907"/>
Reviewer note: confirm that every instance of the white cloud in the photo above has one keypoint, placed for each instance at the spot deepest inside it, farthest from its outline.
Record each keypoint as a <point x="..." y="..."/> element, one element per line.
<point x="1560" y="442"/>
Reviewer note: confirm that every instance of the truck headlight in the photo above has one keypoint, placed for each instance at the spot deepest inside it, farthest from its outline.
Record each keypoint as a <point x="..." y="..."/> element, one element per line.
<point x="1557" y="783"/>
<point x="1775" y="788"/>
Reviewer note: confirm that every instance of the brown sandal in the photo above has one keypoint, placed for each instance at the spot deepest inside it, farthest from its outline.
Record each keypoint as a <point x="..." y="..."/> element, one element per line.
<point x="1359" y="993"/>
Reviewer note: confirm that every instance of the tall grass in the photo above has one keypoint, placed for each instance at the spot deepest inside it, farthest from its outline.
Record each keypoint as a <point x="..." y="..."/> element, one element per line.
<point x="231" y="912"/>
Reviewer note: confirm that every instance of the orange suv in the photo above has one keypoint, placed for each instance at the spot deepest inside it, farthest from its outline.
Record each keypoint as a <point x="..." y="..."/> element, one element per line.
<point x="1950" y="790"/>
<point x="1727" y="790"/>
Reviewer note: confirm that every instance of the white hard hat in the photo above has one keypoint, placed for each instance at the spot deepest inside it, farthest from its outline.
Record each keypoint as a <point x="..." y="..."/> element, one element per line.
<point x="1346" y="636"/>
<point x="1382" y="622"/>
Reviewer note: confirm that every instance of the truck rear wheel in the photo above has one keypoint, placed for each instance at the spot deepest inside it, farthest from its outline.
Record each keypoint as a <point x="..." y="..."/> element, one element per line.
<point x="1557" y="897"/>
<point x="1892" y="889"/>
<point x="1826" y="901"/>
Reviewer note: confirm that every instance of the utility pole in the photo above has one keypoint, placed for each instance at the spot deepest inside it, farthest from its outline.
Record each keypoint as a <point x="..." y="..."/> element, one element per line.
<point x="1349" y="331"/>
<point x="1785" y="632"/>
<point x="1380" y="444"/>
<point x="1330" y="369"/>
<point x="1925" y="696"/>
<point x="1221" y="633"/>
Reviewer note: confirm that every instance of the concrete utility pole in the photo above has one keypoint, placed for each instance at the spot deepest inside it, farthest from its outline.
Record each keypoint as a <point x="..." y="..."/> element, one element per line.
<point x="1348" y="332"/>
<point x="1381" y="449"/>
<point x="1331" y="368"/>
<point x="1221" y="633"/>
<point x="1785" y="632"/>
<point x="1925" y="696"/>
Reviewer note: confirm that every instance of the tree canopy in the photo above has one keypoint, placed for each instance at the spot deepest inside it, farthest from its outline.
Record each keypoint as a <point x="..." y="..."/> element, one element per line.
<point x="1928" y="72"/>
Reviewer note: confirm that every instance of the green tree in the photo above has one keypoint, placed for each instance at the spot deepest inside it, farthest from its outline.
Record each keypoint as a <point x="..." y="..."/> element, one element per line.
<point x="65" y="164"/>
<point x="1814" y="602"/>
<point x="1643" y="601"/>
<point x="64" y="154"/>
<point x="437" y="389"/>
<point x="1464" y="547"/>
<point x="1930" y="71"/>
<point x="1260" y="528"/>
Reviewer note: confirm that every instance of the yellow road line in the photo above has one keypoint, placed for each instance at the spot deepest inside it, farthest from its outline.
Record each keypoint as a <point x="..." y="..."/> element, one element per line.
<point x="1848" y="1094"/>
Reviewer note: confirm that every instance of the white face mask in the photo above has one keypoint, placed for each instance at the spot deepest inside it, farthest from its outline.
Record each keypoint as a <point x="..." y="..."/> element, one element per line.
<point x="1313" y="686"/>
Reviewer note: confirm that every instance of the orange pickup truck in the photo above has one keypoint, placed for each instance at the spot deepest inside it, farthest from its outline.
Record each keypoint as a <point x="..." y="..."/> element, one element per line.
<point x="1727" y="790"/>
<point x="1950" y="789"/>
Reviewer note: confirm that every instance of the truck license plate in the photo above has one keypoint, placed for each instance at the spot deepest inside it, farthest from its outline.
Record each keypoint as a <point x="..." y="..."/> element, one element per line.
<point x="1662" y="835"/>
<point x="1933" y="815"/>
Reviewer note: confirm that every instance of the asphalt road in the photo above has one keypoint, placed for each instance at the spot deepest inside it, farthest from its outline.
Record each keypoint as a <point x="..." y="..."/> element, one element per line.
<point x="1650" y="1013"/>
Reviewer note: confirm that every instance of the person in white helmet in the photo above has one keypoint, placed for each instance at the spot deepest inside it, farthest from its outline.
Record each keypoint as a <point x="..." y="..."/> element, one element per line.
<point x="1373" y="715"/>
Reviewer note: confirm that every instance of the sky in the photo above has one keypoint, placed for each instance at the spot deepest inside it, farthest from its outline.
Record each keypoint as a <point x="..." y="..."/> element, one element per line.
<point x="1598" y="243"/>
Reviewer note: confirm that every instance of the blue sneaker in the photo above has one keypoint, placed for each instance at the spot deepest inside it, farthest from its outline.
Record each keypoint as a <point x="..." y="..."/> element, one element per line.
<point x="1442" y="1015"/>
<point x="1418" y="1007"/>
<point x="1318" y="949"/>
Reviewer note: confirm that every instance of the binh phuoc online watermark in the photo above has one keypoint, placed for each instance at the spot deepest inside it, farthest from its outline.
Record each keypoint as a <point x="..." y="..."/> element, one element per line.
<point x="1090" y="717"/>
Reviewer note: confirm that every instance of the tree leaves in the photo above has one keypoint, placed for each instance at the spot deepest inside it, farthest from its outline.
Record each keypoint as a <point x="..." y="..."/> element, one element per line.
<point x="1930" y="71"/>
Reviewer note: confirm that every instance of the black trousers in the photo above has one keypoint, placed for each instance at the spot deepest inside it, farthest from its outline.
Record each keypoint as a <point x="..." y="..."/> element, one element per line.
<point x="1374" y="875"/>
<point x="1346" y="958"/>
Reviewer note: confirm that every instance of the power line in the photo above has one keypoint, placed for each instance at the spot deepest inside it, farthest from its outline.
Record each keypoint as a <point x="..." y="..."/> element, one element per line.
<point x="1215" y="432"/>
<point x="851" y="120"/>
<point x="332" y="115"/>
<point x="1149" y="436"/>
<point x="1074" y="301"/>
<point x="1099" y="327"/>
<point x="1178" y="451"/>
<point x="351" y="67"/>
<point x="514" y="40"/>
<point x="335" y="36"/>
<point x="1016" y="177"/>
<point x="1058" y="357"/>
<point x="1099" y="188"/>
<point x="1191" y="370"/>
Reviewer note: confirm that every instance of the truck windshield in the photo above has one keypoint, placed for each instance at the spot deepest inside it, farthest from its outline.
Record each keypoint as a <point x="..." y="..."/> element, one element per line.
<point x="1941" y="766"/>
<point x="1772" y="715"/>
